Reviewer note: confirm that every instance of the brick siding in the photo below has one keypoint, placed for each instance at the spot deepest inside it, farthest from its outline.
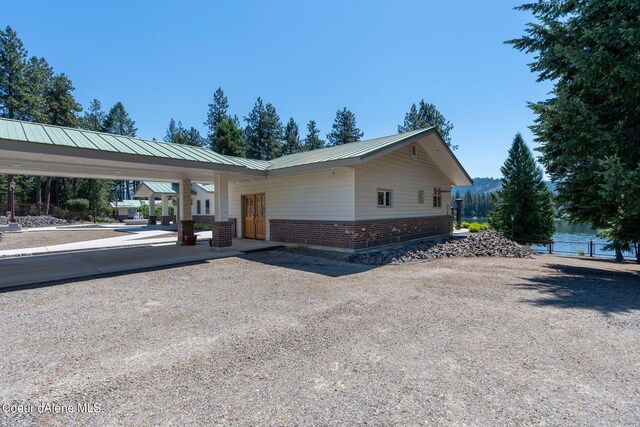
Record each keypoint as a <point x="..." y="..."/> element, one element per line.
<point x="222" y="233"/>
<point x="358" y="234"/>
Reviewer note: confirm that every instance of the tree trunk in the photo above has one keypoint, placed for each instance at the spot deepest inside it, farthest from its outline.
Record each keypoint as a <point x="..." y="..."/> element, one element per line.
<point x="619" y="257"/>
<point x="39" y="195"/>
<point x="47" y="195"/>
<point x="9" y="180"/>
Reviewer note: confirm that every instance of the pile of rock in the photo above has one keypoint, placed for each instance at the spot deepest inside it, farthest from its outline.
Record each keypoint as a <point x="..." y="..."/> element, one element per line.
<point x="484" y="244"/>
<point x="35" y="221"/>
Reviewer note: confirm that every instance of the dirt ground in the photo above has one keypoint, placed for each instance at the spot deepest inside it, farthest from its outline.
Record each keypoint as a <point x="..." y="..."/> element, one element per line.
<point x="33" y="239"/>
<point x="283" y="338"/>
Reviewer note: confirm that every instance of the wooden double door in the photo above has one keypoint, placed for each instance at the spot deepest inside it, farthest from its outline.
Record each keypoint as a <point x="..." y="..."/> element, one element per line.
<point x="253" y="209"/>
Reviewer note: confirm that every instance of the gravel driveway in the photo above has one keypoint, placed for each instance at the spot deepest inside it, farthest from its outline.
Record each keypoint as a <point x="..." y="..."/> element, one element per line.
<point x="278" y="338"/>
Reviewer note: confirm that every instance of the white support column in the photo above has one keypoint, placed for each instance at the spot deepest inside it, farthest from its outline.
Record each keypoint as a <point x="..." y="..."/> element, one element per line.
<point x="165" y="205"/>
<point x="221" y="197"/>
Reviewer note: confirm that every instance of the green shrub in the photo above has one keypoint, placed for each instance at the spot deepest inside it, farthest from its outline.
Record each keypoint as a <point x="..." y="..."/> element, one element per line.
<point x="465" y="224"/>
<point x="106" y="219"/>
<point x="77" y="205"/>
<point x="474" y="227"/>
<point x="203" y="226"/>
<point x="580" y="252"/>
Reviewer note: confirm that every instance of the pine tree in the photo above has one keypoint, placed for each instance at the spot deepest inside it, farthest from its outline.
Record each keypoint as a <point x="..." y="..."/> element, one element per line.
<point x="61" y="107"/>
<point x="39" y="78"/>
<point x="344" y="129"/>
<point x="312" y="141"/>
<point x="94" y="117"/>
<point x="118" y="122"/>
<point x="524" y="210"/>
<point x="228" y="139"/>
<point x="193" y="138"/>
<point x="14" y="91"/>
<point x="589" y="127"/>
<point x="424" y="116"/>
<point x="95" y="190"/>
<point x="291" y="138"/>
<point x="174" y="132"/>
<point x="217" y="112"/>
<point x="263" y="133"/>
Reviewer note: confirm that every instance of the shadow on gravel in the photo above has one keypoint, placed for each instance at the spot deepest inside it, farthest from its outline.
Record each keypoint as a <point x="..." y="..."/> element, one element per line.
<point x="587" y="288"/>
<point x="309" y="263"/>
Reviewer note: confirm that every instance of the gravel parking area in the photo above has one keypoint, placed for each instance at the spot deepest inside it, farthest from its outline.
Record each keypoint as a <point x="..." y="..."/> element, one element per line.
<point x="281" y="338"/>
<point x="34" y="239"/>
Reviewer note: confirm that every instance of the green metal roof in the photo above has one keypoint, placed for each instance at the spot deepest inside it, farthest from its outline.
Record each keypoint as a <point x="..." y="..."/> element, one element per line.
<point x="172" y="188"/>
<point x="341" y="152"/>
<point x="251" y="163"/>
<point x="76" y="138"/>
<point x="129" y="204"/>
<point x="206" y="187"/>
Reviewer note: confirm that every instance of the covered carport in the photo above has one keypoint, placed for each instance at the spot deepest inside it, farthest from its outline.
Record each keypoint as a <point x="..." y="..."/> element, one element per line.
<point x="45" y="150"/>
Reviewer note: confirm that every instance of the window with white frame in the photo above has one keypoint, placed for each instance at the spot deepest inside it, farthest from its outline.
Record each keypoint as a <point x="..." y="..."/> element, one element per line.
<point x="385" y="198"/>
<point x="421" y="197"/>
<point x="207" y="207"/>
<point x="437" y="198"/>
<point x="198" y="207"/>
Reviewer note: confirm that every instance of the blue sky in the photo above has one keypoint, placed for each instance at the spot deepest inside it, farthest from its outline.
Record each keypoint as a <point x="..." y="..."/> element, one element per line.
<point x="309" y="59"/>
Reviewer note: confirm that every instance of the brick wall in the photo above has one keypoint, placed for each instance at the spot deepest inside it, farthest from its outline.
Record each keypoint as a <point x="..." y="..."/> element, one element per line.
<point x="221" y="235"/>
<point x="358" y="234"/>
<point x="209" y="219"/>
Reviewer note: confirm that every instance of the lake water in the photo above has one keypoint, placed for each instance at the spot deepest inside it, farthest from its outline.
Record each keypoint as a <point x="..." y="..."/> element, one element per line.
<point x="573" y="239"/>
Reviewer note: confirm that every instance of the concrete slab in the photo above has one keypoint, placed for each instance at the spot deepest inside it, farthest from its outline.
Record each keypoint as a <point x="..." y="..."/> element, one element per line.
<point x="31" y="270"/>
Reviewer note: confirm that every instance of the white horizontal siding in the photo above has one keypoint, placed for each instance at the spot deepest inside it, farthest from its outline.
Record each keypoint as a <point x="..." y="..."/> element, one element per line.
<point x="405" y="175"/>
<point x="320" y="195"/>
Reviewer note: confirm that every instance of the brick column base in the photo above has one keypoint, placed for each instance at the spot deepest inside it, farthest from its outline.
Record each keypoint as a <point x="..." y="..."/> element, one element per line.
<point x="165" y="220"/>
<point x="221" y="235"/>
<point x="152" y="220"/>
<point x="185" y="229"/>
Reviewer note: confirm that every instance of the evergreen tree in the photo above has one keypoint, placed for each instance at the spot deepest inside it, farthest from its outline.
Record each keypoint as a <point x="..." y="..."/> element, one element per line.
<point x="424" y="116"/>
<point x="589" y="128"/>
<point x="193" y="138"/>
<point x="344" y="129"/>
<point x="61" y="107"/>
<point x="94" y="117"/>
<point x="228" y="139"/>
<point x="312" y="141"/>
<point x="174" y="132"/>
<point x="95" y="190"/>
<point x="14" y="91"/>
<point x="217" y="112"/>
<point x="263" y="133"/>
<point x="524" y="210"/>
<point x="118" y="122"/>
<point x="291" y="138"/>
<point x="39" y="78"/>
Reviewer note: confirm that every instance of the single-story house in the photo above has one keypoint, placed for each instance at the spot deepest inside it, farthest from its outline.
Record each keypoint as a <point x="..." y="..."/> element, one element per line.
<point x="125" y="209"/>
<point x="202" y="199"/>
<point x="351" y="196"/>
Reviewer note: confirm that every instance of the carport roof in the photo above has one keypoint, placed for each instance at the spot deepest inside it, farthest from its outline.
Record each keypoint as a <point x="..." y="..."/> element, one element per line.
<point x="16" y="130"/>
